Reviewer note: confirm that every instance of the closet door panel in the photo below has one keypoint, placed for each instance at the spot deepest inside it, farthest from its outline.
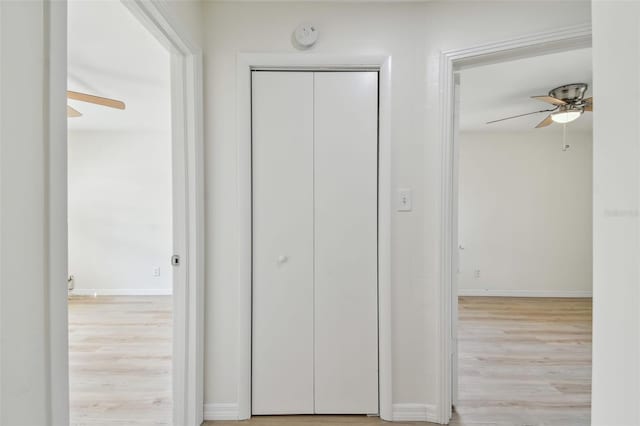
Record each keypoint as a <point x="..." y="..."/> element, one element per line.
<point x="346" y="205"/>
<point x="282" y="144"/>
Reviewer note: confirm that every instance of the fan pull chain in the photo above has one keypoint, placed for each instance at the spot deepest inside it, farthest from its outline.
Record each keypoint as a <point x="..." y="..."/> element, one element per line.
<point x="565" y="145"/>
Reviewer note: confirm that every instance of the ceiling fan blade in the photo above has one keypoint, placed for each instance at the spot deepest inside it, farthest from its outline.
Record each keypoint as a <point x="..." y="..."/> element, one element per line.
<point x="549" y="100"/>
<point x="545" y="122"/>
<point x="72" y="112"/>
<point x="85" y="97"/>
<point x="589" y="108"/>
<point x="589" y="102"/>
<point x="520" y="115"/>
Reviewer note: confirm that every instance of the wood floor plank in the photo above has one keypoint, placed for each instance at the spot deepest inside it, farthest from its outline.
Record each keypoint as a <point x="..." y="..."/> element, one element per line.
<point x="524" y="361"/>
<point x="120" y="360"/>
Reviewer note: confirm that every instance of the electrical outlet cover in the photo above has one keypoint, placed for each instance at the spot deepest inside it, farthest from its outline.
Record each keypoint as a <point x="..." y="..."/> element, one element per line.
<point x="404" y="200"/>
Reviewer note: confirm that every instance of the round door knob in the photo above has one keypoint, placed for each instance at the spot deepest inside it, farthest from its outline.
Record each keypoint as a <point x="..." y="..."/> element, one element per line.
<point x="282" y="259"/>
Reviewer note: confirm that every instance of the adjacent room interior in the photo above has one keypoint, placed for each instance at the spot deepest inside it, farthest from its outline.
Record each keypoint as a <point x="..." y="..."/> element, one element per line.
<point x="524" y="276"/>
<point x="119" y="218"/>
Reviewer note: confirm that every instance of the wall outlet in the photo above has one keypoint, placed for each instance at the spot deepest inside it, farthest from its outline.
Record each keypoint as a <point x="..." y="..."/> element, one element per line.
<point x="476" y="273"/>
<point x="156" y="271"/>
<point x="404" y="200"/>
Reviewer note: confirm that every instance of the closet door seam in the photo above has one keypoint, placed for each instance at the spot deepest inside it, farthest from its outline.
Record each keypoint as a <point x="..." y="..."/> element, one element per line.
<point x="313" y="190"/>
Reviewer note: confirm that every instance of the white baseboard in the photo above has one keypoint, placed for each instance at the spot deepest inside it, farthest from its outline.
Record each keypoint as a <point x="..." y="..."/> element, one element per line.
<point x="414" y="413"/>
<point x="121" y="292"/>
<point x="221" y="411"/>
<point x="523" y="293"/>
<point x="401" y="412"/>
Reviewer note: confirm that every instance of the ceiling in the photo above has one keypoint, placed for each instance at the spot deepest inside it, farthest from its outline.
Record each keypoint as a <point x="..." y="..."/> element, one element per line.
<point x="495" y="91"/>
<point x="111" y="54"/>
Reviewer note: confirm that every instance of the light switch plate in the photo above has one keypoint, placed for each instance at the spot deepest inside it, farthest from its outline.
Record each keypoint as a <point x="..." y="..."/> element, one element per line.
<point x="404" y="200"/>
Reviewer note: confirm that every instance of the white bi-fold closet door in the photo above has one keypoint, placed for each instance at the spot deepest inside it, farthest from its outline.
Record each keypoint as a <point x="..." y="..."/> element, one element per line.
<point x="315" y="250"/>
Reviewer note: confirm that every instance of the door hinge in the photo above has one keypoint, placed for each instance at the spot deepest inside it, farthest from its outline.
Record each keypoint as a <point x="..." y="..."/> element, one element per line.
<point x="175" y="260"/>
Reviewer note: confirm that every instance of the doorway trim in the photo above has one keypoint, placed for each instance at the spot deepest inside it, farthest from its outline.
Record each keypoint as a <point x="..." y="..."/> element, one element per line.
<point x="188" y="212"/>
<point x="245" y="63"/>
<point x="451" y="61"/>
<point x="187" y="146"/>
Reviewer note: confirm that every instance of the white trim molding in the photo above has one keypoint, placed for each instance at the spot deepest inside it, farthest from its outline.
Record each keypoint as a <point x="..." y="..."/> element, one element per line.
<point x="121" y="292"/>
<point x="524" y="293"/>
<point x="56" y="208"/>
<point x="565" y="39"/>
<point x="188" y="207"/>
<point x="245" y="63"/>
<point x="221" y="411"/>
<point x="415" y="413"/>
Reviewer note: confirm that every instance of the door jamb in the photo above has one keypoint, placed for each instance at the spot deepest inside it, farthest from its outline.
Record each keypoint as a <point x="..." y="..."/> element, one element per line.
<point x="187" y="146"/>
<point x="245" y="63"/>
<point x="569" y="38"/>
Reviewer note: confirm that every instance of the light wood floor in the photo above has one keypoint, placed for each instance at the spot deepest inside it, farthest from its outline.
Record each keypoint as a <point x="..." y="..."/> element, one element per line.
<point x="522" y="362"/>
<point x="120" y="360"/>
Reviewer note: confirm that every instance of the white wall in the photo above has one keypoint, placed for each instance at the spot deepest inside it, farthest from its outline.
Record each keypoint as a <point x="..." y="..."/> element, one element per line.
<point x="32" y="218"/>
<point x="24" y="257"/>
<point x="616" y="225"/>
<point x="525" y="210"/>
<point x="120" y="211"/>
<point x="414" y="35"/>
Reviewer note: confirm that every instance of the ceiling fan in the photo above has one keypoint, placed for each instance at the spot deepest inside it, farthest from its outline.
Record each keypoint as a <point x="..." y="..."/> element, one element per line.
<point x="569" y="104"/>
<point x="85" y="97"/>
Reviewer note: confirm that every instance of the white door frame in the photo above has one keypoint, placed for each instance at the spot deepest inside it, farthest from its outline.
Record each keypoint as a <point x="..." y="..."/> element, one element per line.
<point x="188" y="185"/>
<point x="305" y="61"/>
<point x="569" y="38"/>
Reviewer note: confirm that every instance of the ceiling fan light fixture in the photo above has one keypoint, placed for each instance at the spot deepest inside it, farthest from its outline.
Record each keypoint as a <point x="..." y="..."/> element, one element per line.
<point x="568" y="105"/>
<point x="566" y="116"/>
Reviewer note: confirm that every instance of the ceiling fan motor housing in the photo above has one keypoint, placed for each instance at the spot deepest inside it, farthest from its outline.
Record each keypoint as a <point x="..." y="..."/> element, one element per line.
<point x="570" y="93"/>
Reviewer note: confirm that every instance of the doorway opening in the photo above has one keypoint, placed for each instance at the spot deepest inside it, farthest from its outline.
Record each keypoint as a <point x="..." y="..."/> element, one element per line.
<point x="175" y="325"/>
<point x="120" y="218"/>
<point x="522" y="225"/>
